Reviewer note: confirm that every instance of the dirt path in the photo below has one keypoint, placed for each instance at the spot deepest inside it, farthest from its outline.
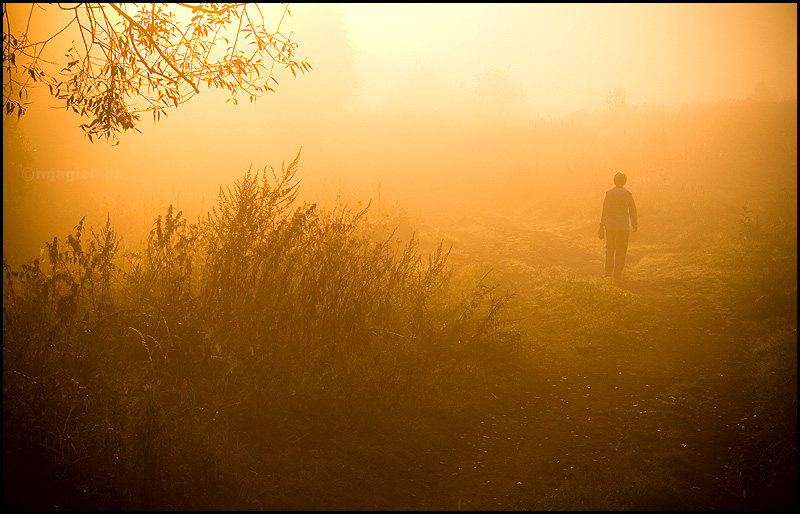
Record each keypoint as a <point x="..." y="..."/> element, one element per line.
<point x="662" y="426"/>
<point x="658" y="428"/>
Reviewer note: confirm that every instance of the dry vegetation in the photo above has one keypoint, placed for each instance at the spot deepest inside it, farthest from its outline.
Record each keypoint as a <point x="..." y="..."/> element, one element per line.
<point x="281" y="354"/>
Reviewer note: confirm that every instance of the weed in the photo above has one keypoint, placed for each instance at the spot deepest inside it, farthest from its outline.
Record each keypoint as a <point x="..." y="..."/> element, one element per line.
<point x="264" y="323"/>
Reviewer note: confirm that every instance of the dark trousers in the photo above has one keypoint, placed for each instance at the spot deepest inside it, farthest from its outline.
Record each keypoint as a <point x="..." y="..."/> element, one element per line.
<point x="616" y="248"/>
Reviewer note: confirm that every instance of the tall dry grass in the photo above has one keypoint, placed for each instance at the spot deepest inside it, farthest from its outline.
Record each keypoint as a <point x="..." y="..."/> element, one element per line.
<point x="141" y="380"/>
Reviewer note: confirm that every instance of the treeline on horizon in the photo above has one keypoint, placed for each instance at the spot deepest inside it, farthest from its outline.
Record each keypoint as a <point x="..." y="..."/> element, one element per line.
<point x="727" y="146"/>
<point x="731" y="151"/>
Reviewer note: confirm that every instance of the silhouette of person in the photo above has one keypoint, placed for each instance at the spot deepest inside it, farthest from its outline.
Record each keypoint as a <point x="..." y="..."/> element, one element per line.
<point x="619" y="214"/>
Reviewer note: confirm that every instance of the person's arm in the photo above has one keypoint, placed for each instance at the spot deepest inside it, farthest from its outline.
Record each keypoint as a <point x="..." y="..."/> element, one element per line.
<point x="634" y="215"/>
<point x="604" y="216"/>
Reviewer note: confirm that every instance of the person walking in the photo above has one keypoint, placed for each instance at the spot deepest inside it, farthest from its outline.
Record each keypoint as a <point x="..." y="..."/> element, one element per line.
<point x="619" y="214"/>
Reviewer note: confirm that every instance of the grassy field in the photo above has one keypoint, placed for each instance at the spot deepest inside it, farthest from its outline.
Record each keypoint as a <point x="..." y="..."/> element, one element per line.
<point x="649" y="392"/>
<point x="460" y="355"/>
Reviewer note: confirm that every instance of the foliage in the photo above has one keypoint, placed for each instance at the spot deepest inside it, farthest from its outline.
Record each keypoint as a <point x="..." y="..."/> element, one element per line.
<point x="143" y="387"/>
<point x="495" y="94"/>
<point x="615" y="100"/>
<point x="135" y="58"/>
<point x="767" y="255"/>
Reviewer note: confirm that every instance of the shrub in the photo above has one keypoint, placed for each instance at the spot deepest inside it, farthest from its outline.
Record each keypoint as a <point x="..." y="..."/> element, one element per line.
<point x="140" y="387"/>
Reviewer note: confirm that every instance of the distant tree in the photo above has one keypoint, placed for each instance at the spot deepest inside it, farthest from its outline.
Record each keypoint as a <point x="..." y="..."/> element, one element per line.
<point x="422" y="91"/>
<point x="615" y="100"/>
<point x="126" y="59"/>
<point x="18" y="161"/>
<point x="495" y="94"/>
<point x="762" y="93"/>
<point x="333" y="85"/>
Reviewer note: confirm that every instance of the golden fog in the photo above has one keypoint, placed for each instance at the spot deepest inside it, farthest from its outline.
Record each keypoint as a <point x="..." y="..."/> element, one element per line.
<point x="287" y="356"/>
<point x="491" y="106"/>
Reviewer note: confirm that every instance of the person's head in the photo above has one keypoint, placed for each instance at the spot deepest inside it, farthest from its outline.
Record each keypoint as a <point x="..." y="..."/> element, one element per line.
<point x="620" y="179"/>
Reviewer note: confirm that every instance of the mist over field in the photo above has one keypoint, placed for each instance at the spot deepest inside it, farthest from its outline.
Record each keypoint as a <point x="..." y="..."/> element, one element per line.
<point x="429" y="138"/>
<point x="402" y="304"/>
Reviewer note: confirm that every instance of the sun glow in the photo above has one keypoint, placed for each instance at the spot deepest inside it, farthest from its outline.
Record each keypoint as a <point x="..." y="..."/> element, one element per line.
<point x="381" y="284"/>
<point x="568" y="56"/>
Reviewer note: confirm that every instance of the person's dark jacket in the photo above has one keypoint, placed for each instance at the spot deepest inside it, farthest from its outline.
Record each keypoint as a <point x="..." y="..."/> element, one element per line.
<point x="619" y="210"/>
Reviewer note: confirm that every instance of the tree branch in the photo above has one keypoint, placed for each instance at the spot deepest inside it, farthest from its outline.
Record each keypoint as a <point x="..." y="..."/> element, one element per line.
<point x="141" y="29"/>
<point x="209" y="11"/>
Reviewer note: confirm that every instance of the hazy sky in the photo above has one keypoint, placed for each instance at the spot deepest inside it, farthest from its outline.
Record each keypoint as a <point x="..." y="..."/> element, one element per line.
<point x="569" y="56"/>
<point x="561" y="57"/>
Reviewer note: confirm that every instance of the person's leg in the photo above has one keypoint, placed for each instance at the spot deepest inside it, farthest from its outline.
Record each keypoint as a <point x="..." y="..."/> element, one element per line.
<point x="610" y="248"/>
<point x="621" y="244"/>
